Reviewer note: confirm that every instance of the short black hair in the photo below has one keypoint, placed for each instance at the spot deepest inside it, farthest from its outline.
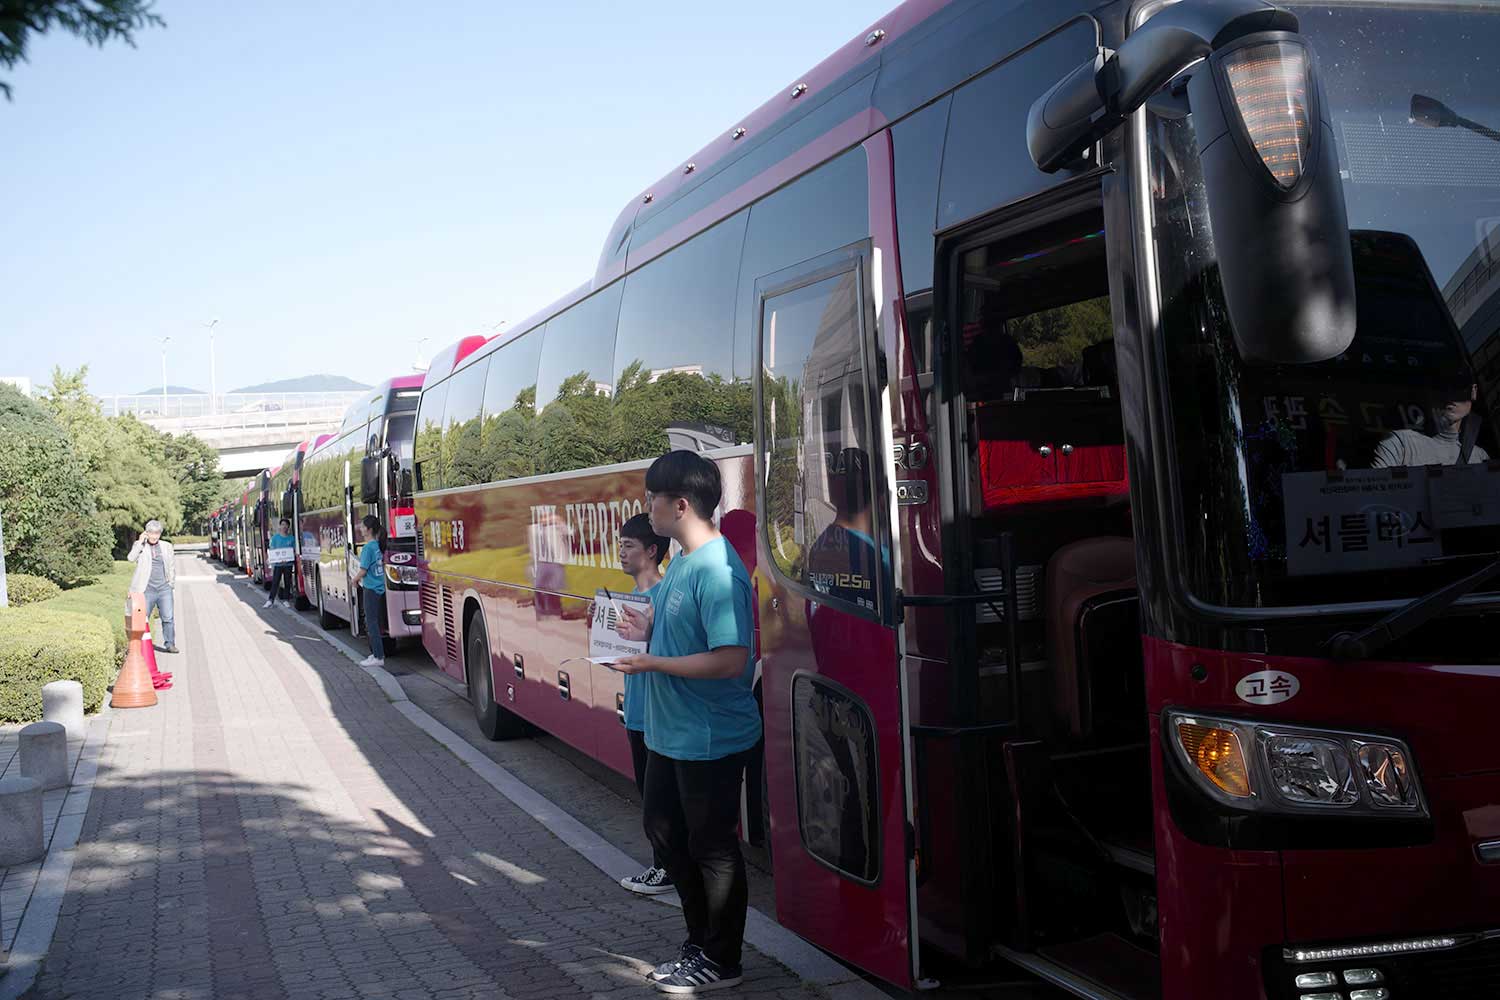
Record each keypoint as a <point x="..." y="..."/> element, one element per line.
<point x="689" y="475"/>
<point x="639" y="528"/>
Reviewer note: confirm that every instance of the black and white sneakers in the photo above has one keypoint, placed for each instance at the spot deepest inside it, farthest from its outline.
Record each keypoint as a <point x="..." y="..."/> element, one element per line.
<point x="697" y="973"/>
<point x="651" y="882"/>
<point x="665" y="969"/>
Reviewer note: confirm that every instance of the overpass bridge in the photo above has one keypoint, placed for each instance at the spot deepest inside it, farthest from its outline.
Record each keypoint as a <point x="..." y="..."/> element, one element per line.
<point x="250" y="431"/>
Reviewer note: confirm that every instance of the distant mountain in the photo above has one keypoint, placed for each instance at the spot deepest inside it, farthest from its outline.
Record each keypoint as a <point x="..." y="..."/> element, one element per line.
<point x="307" y="383"/>
<point x="172" y="390"/>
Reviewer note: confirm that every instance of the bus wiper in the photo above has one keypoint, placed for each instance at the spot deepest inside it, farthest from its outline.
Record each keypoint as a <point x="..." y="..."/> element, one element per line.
<point x="1430" y="112"/>
<point x="1363" y="644"/>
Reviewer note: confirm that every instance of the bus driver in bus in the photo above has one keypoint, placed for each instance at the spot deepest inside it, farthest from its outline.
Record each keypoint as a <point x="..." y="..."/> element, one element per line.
<point x="1452" y="441"/>
<point x="702" y="721"/>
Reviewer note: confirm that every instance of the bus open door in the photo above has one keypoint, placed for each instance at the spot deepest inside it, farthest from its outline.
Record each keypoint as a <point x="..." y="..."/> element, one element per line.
<point x="837" y="775"/>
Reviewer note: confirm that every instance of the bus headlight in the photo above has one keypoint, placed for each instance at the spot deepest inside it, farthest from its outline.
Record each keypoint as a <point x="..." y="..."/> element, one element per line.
<point x="401" y="574"/>
<point x="1292" y="769"/>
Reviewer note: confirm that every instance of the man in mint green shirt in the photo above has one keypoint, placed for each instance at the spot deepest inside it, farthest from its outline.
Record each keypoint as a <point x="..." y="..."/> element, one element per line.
<point x="702" y="720"/>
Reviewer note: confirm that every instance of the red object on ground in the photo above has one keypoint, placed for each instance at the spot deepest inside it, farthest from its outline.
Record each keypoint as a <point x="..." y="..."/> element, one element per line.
<point x="159" y="679"/>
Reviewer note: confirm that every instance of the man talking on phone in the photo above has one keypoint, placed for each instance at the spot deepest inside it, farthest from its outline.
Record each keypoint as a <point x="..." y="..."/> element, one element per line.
<point x="154" y="576"/>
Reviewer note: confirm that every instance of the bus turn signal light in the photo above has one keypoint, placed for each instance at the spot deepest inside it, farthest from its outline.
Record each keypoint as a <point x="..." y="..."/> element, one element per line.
<point x="1217" y="754"/>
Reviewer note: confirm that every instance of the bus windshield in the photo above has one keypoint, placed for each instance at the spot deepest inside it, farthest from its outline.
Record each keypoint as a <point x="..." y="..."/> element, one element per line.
<point x="1366" y="477"/>
<point x="398" y="438"/>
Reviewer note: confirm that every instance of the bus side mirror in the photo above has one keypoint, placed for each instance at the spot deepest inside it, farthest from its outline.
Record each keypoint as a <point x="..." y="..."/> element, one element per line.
<point x="287" y="499"/>
<point x="369" y="479"/>
<point x="1275" y="200"/>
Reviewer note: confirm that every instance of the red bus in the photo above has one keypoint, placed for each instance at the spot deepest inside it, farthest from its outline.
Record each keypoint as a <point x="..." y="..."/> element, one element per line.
<point x="363" y="468"/>
<point x="1095" y="402"/>
<point x="216" y="534"/>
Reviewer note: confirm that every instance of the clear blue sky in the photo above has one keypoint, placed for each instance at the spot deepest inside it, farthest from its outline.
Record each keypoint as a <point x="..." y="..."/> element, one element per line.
<point x="336" y="180"/>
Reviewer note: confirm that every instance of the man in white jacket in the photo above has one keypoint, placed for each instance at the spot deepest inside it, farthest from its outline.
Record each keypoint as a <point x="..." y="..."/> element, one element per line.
<point x="154" y="576"/>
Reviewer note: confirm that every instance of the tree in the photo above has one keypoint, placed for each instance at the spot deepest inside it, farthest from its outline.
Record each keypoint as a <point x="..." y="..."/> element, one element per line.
<point x="51" y="524"/>
<point x="126" y="461"/>
<point x="97" y="21"/>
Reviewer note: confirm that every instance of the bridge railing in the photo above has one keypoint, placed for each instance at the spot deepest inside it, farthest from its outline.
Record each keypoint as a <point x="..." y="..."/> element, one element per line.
<point x="326" y="417"/>
<point x="223" y="408"/>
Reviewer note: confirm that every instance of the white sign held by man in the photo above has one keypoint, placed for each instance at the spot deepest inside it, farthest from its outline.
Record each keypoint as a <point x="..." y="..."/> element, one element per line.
<point x="605" y="644"/>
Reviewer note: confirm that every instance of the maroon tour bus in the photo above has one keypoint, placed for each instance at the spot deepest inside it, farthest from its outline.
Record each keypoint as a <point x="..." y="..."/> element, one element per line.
<point x="362" y="468"/>
<point x="1101" y="401"/>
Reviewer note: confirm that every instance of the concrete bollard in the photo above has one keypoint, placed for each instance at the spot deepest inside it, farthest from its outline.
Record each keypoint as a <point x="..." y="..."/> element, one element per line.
<point x="62" y="701"/>
<point x="44" y="754"/>
<point x="20" y="821"/>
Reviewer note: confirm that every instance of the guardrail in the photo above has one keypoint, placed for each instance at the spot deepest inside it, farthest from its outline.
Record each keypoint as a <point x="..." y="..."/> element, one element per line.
<point x="223" y="405"/>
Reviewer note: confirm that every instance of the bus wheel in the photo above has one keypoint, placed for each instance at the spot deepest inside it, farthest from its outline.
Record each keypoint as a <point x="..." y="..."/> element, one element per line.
<point x="495" y="723"/>
<point x="325" y="620"/>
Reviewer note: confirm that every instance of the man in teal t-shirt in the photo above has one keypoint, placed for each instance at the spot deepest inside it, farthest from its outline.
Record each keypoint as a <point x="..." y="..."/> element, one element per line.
<point x="281" y="573"/>
<point x="701" y="720"/>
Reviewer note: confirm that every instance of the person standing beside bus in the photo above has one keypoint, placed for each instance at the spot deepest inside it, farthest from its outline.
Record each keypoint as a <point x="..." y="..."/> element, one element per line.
<point x="641" y="553"/>
<point x="702" y="720"/>
<point x="370" y="578"/>
<point x="281" y="573"/>
<point x="154" y="577"/>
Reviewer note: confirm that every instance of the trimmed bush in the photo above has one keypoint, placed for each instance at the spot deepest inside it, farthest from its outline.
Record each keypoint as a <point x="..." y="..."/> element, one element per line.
<point x="38" y="646"/>
<point x="104" y="599"/>
<point x="23" y="588"/>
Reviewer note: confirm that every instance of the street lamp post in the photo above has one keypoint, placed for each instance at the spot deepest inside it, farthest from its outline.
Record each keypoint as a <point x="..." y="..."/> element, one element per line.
<point x="213" y="375"/>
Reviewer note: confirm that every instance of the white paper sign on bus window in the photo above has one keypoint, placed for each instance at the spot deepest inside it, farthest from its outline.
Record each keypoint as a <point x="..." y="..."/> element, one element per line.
<point x="405" y="525"/>
<point x="1363" y="519"/>
<point x="1464" y="496"/>
<point x="605" y="644"/>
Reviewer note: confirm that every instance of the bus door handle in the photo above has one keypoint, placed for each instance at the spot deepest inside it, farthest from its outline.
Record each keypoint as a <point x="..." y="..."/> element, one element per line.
<point x="564" y="686"/>
<point x="620" y="707"/>
<point x="520" y="666"/>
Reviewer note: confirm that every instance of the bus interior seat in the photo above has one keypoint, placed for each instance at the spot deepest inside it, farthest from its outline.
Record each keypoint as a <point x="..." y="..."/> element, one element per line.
<point x="1092" y="624"/>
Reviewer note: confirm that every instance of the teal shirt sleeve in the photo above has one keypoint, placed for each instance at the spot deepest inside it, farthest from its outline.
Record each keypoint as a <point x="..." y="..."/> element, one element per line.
<point x="724" y="606"/>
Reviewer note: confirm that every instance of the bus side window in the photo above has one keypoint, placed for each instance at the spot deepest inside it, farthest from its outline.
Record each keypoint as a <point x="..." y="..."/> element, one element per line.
<point x="427" y="448"/>
<point x="508" y="439"/>
<point x="816" y="434"/>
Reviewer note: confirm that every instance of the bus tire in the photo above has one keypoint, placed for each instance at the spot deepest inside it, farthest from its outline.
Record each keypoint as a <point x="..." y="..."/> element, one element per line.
<point x="325" y="620"/>
<point x="495" y="723"/>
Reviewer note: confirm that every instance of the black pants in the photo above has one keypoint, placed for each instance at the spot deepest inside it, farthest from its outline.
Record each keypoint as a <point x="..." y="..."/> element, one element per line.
<point x="638" y="754"/>
<point x="692" y="812"/>
<point x="281" y="582"/>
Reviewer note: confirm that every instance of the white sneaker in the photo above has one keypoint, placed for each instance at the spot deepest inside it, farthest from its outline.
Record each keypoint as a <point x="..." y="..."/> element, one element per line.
<point x="266" y="605"/>
<point x="371" y="661"/>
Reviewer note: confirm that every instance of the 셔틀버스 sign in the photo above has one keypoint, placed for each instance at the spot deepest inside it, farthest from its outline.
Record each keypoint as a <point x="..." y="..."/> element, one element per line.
<point x="605" y="644"/>
<point x="1363" y="519"/>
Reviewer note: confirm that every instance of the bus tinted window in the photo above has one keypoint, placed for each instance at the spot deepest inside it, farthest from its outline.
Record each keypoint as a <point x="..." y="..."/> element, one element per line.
<point x="822" y="211"/>
<point x="918" y="148"/>
<point x="674" y="379"/>
<point x="398" y="438"/>
<point x="508" y="441"/>
<point x="574" y="384"/>
<point x="816" y="432"/>
<point x="983" y="164"/>
<point x="462" y="455"/>
<point x="427" y="448"/>
<point x="837" y="807"/>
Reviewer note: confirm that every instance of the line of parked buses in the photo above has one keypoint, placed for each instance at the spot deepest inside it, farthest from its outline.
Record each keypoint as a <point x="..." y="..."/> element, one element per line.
<point x="1075" y="330"/>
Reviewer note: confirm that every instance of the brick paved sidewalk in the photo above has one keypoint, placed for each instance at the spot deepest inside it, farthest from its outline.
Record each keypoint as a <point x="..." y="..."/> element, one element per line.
<point x="274" y="828"/>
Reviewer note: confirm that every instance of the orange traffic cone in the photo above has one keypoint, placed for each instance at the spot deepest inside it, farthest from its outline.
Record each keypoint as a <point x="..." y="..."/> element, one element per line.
<point x="133" y="687"/>
<point x="160" y="679"/>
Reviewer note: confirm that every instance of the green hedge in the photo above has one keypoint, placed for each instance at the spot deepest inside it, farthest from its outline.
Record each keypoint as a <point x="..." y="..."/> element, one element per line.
<point x="38" y="645"/>
<point x="23" y="588"/>
<point x="104" y="598"/>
